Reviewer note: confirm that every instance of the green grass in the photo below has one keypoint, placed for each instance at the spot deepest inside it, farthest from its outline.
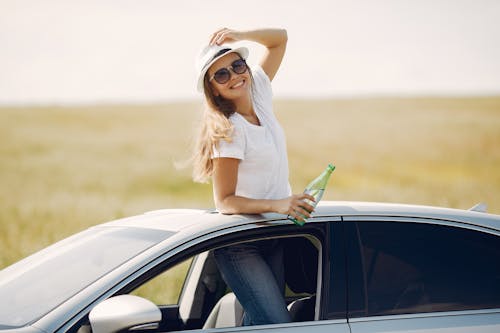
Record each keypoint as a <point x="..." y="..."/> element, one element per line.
<point x="63" y="169"/>
<point x="166" y="287"/>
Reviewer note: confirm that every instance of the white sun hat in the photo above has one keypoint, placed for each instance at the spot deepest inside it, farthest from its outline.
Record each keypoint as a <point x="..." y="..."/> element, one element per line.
<point x="210" y="54"/>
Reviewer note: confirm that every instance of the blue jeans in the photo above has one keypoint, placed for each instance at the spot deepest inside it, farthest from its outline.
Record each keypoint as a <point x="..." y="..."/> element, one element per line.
<point x="255" y="273"/>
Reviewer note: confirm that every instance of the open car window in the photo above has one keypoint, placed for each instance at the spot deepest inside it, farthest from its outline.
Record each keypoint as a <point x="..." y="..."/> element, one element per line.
<point x="207" y="302"/>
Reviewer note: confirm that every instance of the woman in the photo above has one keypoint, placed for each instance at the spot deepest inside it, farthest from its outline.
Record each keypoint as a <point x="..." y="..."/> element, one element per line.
<point x="242" y="148"/>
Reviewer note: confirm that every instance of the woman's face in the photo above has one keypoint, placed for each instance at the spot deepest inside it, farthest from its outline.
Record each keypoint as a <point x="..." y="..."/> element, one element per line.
<point x="237" y="86"/>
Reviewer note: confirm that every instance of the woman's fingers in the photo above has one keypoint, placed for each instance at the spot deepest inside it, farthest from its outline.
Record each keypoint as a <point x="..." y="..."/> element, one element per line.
<point x="216" y="36"/>
<point x="303" y="202"/>
<point x="297" y="206"/>
<point x="310" y="197"/>
<point x="302" y="212"/>
<point x="295" y="214"/>
<point x="223" y="35"/>
<point x="300" y="208"/>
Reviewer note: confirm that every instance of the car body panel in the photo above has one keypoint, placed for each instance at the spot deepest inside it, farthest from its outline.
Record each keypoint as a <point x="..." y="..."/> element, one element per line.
<point x="191" y="227"/>
<point x="349" y="210"/>
<point x="480" y="321"/>
<point x="324" y="326"/>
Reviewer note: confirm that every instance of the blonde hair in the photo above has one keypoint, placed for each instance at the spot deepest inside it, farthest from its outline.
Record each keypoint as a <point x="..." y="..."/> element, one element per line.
<point x="215" y="126"/>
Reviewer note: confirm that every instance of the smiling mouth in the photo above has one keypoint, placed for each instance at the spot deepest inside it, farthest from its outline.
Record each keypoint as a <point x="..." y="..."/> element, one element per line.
<point x="238" y="85"/>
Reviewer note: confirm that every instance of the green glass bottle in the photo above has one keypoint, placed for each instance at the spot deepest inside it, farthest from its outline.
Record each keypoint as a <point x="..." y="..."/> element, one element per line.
<point x="316" y="188"/>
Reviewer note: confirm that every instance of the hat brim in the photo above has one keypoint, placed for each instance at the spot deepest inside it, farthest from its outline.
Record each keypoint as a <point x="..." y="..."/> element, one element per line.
<point x="242" y="51"/>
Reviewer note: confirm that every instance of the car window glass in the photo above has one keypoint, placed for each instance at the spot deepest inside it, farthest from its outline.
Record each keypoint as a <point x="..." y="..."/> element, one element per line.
<point x="165" y="288"/>
<point x="37" y="284"/>
<point x="416" y="267"/>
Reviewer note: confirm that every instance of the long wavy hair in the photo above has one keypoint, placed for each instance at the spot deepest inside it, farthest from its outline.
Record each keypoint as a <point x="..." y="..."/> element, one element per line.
<point x="215" y="126"/>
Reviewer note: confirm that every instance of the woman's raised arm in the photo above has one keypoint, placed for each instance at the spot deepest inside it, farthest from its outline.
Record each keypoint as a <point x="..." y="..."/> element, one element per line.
<point x="273" y="39"/>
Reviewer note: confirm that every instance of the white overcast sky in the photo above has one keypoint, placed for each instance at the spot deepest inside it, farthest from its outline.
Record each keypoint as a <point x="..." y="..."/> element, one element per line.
<point x="95" y="51"/>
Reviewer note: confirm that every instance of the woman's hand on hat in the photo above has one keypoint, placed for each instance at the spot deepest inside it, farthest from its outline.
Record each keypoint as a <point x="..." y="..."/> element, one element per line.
<point x="295" y="206"/>
<point x="225" y="35"/>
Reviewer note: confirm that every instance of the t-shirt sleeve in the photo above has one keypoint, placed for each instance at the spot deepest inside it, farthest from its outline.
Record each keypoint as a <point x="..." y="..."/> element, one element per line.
<point x="263" y="92"/>
<point x="233" y="149"/>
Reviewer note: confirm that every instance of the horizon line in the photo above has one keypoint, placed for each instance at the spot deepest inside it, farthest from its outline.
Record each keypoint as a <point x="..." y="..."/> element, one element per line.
<point x="188" y="100"/>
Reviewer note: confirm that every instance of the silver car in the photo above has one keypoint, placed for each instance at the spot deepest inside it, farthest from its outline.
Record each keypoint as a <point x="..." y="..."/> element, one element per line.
<point x="354" y="267"/>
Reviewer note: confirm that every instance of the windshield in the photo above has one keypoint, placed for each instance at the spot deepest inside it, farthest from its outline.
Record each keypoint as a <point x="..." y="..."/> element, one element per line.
<point x="36" y="285"/>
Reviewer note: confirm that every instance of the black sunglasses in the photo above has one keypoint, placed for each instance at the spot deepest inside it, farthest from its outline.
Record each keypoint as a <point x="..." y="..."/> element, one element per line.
<point x="223" y="75"/>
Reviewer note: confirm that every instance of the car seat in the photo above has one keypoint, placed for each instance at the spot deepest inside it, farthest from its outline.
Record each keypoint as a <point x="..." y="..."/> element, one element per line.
<point x="228" y="312"/>
<point x="301" y="272"/>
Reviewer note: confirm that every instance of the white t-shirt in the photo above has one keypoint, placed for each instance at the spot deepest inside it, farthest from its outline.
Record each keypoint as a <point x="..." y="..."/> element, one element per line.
<point x="263" y="168"/>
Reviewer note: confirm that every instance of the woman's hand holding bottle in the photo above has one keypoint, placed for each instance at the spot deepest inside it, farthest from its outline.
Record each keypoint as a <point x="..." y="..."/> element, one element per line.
<point x="295" y="206"/>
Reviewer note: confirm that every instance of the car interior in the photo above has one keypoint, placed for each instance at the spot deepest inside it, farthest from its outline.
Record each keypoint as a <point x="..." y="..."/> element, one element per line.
<point x="209" y="303"/>
<point x="301" y="266"/>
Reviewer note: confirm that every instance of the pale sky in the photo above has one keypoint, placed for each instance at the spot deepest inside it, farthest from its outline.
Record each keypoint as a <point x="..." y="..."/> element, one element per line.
<point x="116" y="51"/>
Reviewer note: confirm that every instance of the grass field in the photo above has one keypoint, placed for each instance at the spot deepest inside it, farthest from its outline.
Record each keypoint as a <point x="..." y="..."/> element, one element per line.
<point x="63" y="169"/>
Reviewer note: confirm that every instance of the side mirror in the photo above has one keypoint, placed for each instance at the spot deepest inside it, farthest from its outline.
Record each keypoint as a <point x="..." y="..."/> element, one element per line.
<point x="124" y="312"/>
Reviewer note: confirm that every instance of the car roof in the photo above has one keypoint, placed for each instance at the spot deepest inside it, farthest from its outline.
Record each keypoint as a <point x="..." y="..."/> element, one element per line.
<point x="177" y="220"/>
<point x="346" y="209"/>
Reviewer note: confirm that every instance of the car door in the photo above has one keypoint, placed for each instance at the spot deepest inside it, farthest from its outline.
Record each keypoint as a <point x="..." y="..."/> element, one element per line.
<point x="331" y="303"/>
<point x="422" y="275"/>
<point x="323" y="321"/>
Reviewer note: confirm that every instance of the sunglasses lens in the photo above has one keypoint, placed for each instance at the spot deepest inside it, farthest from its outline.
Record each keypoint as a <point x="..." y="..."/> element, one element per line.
<point x="239" y="66"/>
<point x="222" y="75"/>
